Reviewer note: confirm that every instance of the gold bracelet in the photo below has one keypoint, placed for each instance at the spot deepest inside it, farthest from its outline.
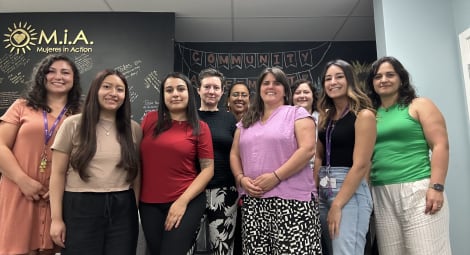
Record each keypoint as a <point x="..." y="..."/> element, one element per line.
<point x="277" y="177"/>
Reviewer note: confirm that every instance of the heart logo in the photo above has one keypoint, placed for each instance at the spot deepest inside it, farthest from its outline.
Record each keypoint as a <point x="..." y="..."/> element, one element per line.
<point x="19" y="37"/>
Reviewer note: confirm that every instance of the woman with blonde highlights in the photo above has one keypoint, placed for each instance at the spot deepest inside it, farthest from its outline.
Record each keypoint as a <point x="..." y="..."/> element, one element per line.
<point x="344" y="150"/>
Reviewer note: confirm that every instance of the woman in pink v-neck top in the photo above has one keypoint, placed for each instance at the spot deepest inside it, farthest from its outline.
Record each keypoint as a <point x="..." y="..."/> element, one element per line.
<point x="270" y="158"/>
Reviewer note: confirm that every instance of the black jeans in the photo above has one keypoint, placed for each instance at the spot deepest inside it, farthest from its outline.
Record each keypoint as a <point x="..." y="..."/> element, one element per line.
<point x="100" y="223"/>
<point x="178" y="241"/>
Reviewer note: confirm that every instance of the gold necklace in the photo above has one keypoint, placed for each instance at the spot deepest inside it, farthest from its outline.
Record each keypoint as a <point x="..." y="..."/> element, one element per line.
<point x="105" y="129"/>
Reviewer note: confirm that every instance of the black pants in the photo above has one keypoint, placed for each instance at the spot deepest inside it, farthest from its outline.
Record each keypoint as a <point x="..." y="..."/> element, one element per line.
<point x="178" y="241"/>
<point x="100" y="223"/>
<point x="237" y="246"/>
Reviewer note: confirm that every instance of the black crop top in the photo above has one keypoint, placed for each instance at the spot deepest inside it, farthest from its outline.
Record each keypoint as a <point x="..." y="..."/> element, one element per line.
<point x="342" y="141"/>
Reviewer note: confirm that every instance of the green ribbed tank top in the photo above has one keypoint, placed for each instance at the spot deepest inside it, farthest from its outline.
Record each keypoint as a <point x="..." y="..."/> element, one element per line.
<point x="401" y="153"/>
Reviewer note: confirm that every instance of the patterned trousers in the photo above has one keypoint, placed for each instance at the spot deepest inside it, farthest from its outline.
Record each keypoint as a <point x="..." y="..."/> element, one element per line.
<point x="221" y="216"/>
<point x="221" y="211"/>
<point x="275" y="226"/>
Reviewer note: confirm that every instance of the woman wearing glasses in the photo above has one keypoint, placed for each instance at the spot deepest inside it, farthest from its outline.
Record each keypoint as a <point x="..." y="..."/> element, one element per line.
<point x="238" y="99"/>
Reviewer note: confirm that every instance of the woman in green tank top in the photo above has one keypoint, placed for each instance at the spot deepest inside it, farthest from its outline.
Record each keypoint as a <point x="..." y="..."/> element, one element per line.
<point x="412" y="216"/>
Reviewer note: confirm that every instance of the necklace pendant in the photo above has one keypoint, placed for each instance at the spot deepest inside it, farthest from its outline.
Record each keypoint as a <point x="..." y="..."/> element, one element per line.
<point x="107" y="131"/>
<point x="43" y="165"/>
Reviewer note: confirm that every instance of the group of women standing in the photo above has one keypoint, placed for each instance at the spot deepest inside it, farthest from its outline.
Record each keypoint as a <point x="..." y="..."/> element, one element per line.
<point x="299" y="170"/>
<point x="382" y="139"/>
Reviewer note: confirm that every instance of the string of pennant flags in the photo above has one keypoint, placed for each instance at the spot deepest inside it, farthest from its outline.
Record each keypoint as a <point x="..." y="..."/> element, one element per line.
<point x="296" y="63"/>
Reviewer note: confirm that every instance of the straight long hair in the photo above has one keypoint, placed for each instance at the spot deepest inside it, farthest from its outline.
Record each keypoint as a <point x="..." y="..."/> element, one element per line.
<point x="87" y="130"/>
<point x="357" y="98"/>
<point x="256" y="110"/>
<point x="164" y="118"/>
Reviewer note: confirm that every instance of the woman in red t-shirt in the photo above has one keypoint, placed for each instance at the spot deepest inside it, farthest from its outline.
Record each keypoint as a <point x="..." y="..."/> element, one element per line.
<point x="174" y="143"/>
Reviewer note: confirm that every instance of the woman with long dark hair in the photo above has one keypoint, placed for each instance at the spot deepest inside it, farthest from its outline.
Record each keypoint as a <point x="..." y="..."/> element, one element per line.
<point x="95" y="178"/>
<point x="177" y="163"/>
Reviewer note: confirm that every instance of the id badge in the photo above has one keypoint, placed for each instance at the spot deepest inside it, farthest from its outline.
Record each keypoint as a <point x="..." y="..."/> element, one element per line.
<point x="324" y="182"/>
<point x="332" y="183"/>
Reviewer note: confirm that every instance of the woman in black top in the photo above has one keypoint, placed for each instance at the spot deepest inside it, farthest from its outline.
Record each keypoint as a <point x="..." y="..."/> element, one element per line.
<point x="346" y="140"/>
<point x="221" y="193"/>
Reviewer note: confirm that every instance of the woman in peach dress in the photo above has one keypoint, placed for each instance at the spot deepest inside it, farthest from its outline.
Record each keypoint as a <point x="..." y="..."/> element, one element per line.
<point x="27" y="131"/>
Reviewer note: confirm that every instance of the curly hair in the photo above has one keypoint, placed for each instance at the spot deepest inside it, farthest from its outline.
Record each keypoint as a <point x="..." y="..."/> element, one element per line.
<point x="36" y="94"/>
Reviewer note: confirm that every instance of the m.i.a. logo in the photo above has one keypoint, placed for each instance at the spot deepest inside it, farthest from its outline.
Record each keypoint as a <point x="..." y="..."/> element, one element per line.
<point x="20" y="37"/>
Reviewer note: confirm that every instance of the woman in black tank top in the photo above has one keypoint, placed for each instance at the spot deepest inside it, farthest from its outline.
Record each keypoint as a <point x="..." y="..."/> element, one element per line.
<point x="347" y="131"/>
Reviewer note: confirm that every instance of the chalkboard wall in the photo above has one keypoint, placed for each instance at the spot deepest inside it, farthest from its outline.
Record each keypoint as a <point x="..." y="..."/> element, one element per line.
<point x="142" y="46"/>
<point x="138" y="44"/>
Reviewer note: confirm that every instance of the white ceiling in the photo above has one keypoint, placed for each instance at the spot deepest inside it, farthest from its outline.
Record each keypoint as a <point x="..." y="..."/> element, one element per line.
<point x="235" y="20"/>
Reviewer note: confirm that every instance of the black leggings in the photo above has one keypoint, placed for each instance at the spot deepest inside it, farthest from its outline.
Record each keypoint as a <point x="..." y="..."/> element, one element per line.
<point x="100" y="223"/>
<point x="177" y="241"/>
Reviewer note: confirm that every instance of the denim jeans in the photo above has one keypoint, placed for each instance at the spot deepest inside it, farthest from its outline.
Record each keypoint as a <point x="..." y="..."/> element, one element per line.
<point x="354" y="217"/>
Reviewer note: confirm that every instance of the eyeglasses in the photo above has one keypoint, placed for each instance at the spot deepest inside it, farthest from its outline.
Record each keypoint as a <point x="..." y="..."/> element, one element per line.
<point x="237" y="94"/>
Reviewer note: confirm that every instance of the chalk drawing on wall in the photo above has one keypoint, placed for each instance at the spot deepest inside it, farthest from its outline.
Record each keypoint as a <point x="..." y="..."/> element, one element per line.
<point x="11" y="65"/>
<point x="151" y="82"/>
<point x="84" y="62"/>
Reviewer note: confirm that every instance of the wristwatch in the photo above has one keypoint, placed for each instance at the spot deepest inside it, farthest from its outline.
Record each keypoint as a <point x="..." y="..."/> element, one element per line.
<point x="437" y="186"/>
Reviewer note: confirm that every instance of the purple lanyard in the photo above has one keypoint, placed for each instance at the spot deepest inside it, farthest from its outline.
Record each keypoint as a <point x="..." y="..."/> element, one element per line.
<point x="329" y="134"/>
<point x="48" y="133"/>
